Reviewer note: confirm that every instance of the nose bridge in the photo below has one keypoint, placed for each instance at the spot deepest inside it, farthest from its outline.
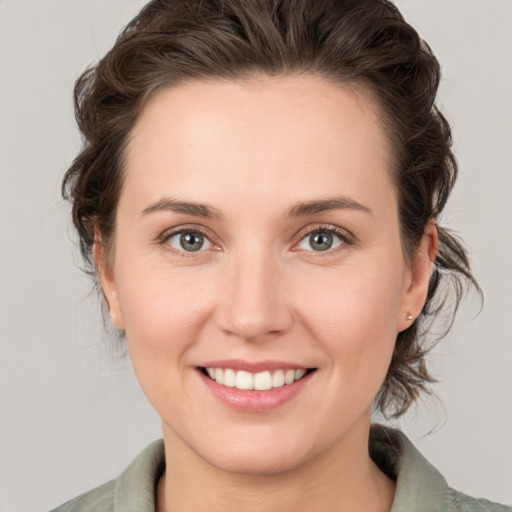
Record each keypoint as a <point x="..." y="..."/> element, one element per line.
<point x="254" y="302"/>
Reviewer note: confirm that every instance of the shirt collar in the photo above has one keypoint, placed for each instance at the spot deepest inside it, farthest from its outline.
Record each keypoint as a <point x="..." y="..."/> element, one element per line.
<point x="136" y="486"/>
<point x="417" y="481"/>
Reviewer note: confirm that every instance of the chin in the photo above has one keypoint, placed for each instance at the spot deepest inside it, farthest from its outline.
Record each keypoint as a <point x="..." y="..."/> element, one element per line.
<point x="258" y="461"/>
<point x="258" y="453"/>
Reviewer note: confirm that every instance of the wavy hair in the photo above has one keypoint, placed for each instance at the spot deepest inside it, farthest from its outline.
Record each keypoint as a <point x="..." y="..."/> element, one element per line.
<point x="357" y="42"/>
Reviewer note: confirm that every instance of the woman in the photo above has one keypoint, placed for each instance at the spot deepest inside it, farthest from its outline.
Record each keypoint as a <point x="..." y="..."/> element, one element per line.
<point x="259" y="193"/>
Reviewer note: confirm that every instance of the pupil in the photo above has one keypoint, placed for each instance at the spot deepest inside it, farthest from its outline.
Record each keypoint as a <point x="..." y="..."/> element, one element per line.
<point x="191" y="241"/>
<point x="321" y="241"/>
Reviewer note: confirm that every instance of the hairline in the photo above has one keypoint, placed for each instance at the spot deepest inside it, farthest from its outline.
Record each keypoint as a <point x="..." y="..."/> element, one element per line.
<point x="362" y="90"/>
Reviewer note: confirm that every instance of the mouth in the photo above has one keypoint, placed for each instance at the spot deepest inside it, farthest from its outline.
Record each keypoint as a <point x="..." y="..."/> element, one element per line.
<point x="260" y="381"/>
<point x="256" y="387"/>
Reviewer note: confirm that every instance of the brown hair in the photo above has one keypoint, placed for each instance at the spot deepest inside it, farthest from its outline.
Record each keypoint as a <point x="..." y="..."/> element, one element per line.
<point x="360" y="42"/>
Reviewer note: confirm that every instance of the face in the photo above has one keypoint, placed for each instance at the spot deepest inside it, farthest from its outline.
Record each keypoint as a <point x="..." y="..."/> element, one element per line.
<point x="257" y="245"/>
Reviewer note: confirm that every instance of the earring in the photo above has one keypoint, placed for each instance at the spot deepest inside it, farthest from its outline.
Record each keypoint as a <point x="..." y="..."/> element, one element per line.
<point x="409" y="317"/>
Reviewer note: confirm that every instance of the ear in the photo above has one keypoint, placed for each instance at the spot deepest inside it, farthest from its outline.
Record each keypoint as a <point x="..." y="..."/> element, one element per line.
<point x="107" y="280"/>
<point x="421" y="268"/>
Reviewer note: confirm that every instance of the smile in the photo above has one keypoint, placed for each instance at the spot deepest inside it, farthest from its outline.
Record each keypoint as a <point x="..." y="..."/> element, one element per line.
<point x="261" y="381"/>
<point x="254" y="387"/>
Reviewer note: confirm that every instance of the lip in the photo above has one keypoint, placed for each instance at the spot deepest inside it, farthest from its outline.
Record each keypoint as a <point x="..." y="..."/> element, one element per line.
<point x="253" y="366"/>
<point x="252" y="400"/>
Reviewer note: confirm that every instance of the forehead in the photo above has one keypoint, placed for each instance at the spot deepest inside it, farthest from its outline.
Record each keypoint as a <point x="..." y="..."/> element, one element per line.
<point x="254" y="136"/>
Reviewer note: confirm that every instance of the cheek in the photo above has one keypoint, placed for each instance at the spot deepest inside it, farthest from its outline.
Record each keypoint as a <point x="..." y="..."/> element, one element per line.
<point x="163" y="312"/>
<point x="164" y="315"/>
<point x="352" y="318"/>
<point x="353" y="313"/>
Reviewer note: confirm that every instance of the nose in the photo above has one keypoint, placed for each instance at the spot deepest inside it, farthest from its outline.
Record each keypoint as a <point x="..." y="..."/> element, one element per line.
<point x="254" y="303"/>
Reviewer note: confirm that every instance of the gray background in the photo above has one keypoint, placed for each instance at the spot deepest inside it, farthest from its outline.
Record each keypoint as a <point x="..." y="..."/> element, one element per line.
<point x="72" y="416"/>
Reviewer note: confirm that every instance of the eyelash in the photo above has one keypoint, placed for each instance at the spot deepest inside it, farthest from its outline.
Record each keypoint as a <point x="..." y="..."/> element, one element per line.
<point x="345" y="238"/>
<point x="164" y="238"/>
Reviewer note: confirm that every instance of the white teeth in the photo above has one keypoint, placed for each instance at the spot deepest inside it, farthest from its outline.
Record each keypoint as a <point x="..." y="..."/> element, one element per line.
<point x="289" y="376"/>
<point x="298" y="374"/>
<point x="278" y="379"/>
<point x="261" y="381"/>
<point x="229" y="378"/>
<point x="244" y="380"/>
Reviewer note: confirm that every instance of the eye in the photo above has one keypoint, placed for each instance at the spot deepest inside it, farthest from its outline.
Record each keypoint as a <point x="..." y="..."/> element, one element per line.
<point x="322" y="239"/>
<point x="188" y="241"/>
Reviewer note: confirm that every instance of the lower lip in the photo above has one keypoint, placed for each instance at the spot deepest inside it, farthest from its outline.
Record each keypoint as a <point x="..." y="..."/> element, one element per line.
<point x="256" y="401"/>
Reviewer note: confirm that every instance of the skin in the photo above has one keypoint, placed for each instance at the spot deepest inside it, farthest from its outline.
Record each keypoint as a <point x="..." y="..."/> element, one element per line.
<point x="257" y="290"/>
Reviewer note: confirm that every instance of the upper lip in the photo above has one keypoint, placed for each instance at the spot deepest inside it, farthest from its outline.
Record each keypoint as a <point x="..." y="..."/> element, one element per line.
<point x="253" y="366"/>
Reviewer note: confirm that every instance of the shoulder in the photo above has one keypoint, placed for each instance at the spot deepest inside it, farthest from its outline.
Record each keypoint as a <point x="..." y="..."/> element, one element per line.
<point x="419" y="486"/>
<point x="100" y="499"/>
<point x="463" y="503"/>
<point x="134" y="489"/>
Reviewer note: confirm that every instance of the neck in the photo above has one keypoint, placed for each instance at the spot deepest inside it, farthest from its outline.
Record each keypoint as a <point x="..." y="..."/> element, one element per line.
<point x="342" y="479"/>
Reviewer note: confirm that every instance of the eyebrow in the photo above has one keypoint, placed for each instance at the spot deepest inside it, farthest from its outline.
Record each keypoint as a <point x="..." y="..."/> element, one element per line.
<point x="186" y="207"/>
<point x="304" y="209"/>
<point x="301" y="209"/>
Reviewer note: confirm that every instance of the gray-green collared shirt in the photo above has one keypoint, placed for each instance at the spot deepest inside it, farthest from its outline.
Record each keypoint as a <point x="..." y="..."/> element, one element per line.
<point x="419" y="486"/>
